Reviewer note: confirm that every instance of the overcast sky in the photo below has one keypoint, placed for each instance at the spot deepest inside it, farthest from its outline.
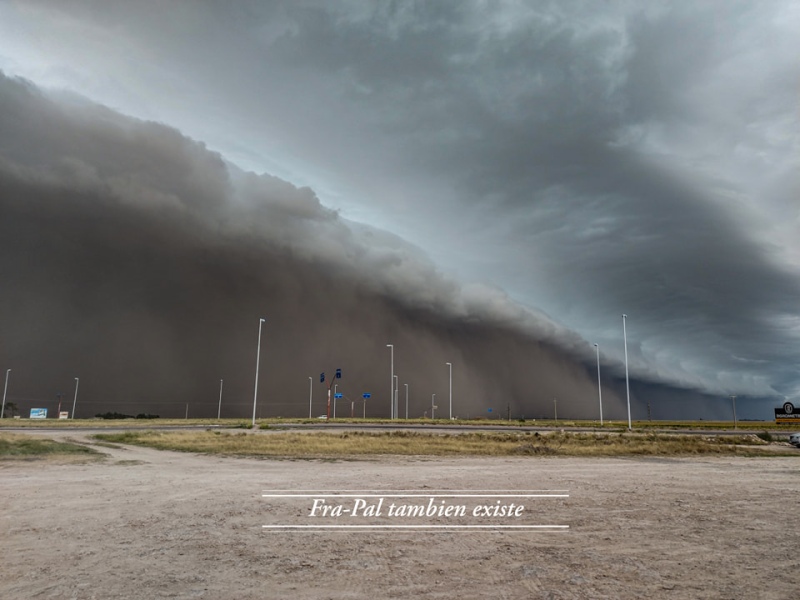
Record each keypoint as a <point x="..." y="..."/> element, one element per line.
<point x="587" y="158"/>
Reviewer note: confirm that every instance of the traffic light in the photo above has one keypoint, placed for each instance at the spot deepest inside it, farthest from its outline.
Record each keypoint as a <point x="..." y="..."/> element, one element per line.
<point x="322" y="377"/>
<point x="338" y="373"/>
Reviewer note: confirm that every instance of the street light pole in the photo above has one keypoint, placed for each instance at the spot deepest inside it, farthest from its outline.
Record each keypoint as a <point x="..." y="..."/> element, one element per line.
<point x="258" y="360"/>
<point x="627" y="382"/>
<point x="219" y="406"/>
<point x="5" y="389"/>
<point x="433" y="406"/>
<point x="733" y="399"/>
<point x="335" y="388"/>
<point x="405" y="384"/>
<point x="75" y="399"/>
<point x="310" y="394"/>
<point x="391" y="382"/>
<point x="394" y="396"/>
<point x="451" y="390"/>
<point x="599" y="387"/>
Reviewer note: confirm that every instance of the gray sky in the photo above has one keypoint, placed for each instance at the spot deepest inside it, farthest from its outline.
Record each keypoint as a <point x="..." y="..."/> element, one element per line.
<point x="582" y="159"/>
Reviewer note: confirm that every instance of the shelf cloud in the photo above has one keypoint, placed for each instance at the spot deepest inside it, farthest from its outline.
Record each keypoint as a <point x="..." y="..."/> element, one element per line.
<point x="520" y="172"/>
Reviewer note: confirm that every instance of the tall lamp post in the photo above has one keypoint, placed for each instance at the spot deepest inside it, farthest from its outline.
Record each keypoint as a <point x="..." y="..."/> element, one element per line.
<point x="219" y="406"/>
<point x="391" y="381"/>
<point x="627" y="382"/>
<point x="310" y="394"/>
<point x="451" y="390"/>
<point x="733" y="399"/>
<point x="394" y="395"/>
<point x="5" y="389"/>
<point x="258" y="360"/>
<point x="433" y="406"/>
<point x="75" y="399"/>
<point x="405" y="384"/>
<point x="599" y="387"/>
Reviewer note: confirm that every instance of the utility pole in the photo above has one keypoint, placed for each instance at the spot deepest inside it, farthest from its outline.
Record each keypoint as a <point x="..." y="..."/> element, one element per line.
<point x="310" y="394"/>
<point x="555" y="409"/>
<point x="627" y="381"/>
<point x="75" y="399"/>
<point x="5" y="389"/>
<point x="733" y="399"/>
<point x="450" y="365"/>
<point x="391" y="381"/>
<point x="599" y="387"/>
<point x="258" y="360"/>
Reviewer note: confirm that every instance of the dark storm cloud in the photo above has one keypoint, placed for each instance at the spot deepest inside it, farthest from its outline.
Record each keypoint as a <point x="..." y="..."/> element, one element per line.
<point x="569" y="133"/>
<point x="590" y="158"/>
<point x="138" y="260"/>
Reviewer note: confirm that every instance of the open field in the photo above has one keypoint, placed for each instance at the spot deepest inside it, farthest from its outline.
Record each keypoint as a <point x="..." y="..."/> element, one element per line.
<point x="16" y="446"/>
<point x="145" y="523"/>
<point x="118" y="423"/>
<point x="410" y="443"/>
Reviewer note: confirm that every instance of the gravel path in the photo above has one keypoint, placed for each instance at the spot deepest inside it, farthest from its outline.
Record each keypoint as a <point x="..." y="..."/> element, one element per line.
<point x="148" y="524"/>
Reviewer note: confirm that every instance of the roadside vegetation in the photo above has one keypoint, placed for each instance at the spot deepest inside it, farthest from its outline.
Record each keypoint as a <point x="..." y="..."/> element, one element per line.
<point x="23" y="446"/>
<point x="359" y="443"/>
<point x="119" y="423"/>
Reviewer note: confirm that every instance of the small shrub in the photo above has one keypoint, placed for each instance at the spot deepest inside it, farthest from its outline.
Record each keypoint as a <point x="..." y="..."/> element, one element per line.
<point x="113" y="415"/>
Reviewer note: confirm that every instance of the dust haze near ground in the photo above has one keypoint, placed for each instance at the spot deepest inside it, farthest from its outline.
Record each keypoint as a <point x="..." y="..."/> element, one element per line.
<point x="148" y="524"/>
<point x="134" y="258"/>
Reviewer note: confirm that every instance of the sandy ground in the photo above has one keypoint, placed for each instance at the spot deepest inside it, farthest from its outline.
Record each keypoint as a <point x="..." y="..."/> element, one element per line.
<point x="149" y="524"/>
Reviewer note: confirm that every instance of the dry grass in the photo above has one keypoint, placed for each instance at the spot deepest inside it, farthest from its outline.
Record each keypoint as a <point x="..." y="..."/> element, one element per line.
<point x="119" y="423"/>
<point x="19" y="446"/>
<point x="609" y="426"/>
<point x="326" y="445"/>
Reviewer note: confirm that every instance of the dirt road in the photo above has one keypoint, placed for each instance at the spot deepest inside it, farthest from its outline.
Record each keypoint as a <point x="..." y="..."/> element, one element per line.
<point x="149" y="524"/>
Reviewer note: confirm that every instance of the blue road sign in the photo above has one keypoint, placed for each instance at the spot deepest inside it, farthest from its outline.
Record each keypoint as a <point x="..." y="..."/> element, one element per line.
<point x="490" y="410"/>
<point x="365" y="396"/>
<point x="337" y="395"/>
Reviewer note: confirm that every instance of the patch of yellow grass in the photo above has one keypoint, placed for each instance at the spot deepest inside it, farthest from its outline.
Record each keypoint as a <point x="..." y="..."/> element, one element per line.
<point x="321" y="445"/>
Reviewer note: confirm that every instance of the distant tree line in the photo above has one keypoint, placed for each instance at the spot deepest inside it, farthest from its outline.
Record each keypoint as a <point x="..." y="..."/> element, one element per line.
<point x="116" y="415"/>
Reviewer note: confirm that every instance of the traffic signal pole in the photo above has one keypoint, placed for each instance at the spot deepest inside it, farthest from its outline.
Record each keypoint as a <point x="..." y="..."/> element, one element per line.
<point x="338" y="375"/>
